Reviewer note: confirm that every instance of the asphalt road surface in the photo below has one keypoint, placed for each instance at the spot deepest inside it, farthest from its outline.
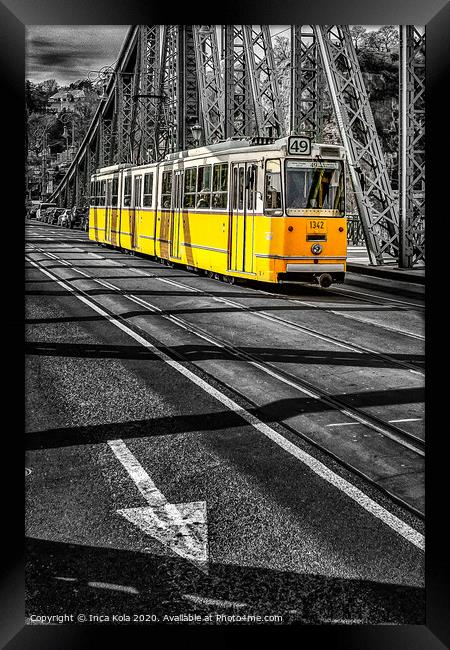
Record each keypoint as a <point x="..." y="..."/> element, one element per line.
<point x="207" y="453"/>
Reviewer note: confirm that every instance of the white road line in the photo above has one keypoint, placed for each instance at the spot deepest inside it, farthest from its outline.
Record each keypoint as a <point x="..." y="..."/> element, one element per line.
<point x="137" y="473"/>
<point x="203" y="600"/>
<point x="108" y="585"/>
<point x="342" y="424"/>
<point x="351" y="491"/>
<point x="346" y="424"/>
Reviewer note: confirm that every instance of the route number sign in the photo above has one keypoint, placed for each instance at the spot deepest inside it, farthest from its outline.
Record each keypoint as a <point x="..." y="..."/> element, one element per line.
<point x="299" y="144"/>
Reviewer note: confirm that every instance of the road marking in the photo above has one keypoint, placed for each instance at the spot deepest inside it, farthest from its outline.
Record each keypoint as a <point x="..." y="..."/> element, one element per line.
<point x="342" y="424"/>
<point x="182" y="527"/>
<point x="368" y="504"/>
<point x="107" y="585"/>
<point x="346" y="424"/>
<point x="202" y="600"/>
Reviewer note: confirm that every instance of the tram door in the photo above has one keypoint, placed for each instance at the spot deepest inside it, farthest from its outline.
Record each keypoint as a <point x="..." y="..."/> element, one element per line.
<point x="108" y="210"/>
<point x="243" y="201"/>
<point x="135" y="211"/>
<point x="176" y="213"/>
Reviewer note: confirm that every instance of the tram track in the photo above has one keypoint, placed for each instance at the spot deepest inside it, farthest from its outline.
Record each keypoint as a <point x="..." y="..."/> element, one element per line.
<point x="349" y="316"/>
<point x="415" y="368"/>
<point x="385" y="428"/>
<point x="370" y="297"/>
<point x="403" y="438"/>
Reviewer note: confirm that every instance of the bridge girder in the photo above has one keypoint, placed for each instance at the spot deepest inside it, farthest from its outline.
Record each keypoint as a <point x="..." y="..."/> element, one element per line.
<point x="168" y="77"/>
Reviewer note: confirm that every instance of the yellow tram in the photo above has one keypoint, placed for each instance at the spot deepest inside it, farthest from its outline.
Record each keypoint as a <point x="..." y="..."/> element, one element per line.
<point x="256" y="209"/>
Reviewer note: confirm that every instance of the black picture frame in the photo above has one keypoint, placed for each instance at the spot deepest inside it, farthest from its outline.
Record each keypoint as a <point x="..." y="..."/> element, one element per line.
<point x="14" y="16"/>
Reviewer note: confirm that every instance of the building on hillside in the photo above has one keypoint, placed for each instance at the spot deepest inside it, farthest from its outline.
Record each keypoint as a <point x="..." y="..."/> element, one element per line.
<point x="66" y="100"/>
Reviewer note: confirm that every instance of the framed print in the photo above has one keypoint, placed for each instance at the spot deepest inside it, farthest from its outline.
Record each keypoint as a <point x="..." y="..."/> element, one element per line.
<point x="224" y="426"/>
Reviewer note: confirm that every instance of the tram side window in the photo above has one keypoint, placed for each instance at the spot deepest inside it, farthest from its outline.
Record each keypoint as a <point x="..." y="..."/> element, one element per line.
<point x="102" y="193"/>
<point x="127" y="192"/>
<point x="241" y="188"/>
<point x="137" y="191"/>
<point x="220" y="186"/>
<point x="204" y="187"/>
<point x="148" y="190"/>
<point x="272" y="188"/>
<point x="92" y="193"/>
<point x="166" y="190"/>
<point x="251" y="187"/>
<point x="115" y="192"/>
<point x="190" y="186"/>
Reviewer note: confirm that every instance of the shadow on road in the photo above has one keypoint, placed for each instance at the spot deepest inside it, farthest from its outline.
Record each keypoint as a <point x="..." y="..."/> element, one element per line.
<point x="64" y="578"/>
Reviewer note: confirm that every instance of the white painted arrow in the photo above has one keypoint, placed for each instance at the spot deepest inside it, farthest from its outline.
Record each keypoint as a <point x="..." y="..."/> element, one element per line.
<point x="180" y="526"/>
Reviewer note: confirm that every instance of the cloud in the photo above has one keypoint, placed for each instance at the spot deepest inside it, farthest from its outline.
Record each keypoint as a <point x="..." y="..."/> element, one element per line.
<point x="67" y="53"/>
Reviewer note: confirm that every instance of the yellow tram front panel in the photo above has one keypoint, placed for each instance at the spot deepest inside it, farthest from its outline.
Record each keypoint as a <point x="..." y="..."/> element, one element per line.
<point x="283" y="241"/>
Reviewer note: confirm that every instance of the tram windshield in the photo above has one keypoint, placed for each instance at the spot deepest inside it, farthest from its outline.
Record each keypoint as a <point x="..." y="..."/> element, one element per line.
<point x="315" y="185"/>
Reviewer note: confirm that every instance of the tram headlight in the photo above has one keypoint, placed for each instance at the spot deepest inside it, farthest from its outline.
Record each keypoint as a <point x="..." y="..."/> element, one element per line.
<point x="316" y="249"/>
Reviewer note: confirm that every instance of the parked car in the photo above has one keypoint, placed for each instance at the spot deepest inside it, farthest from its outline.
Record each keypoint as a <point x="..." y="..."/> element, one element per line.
<point x="53" y="215"/>
<point x="78" y="217"/>
<point x="64" y="218"/>
<point x="42" y="214"/>
<point x="85" y="225"/>
<point x="41" y="210"/>
<point x="49" y="215"/>
<point x="31" y="208"/>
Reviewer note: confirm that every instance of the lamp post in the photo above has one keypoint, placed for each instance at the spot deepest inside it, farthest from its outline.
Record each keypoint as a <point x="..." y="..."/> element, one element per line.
<point x="66" y="118"/>
<point x="43" y="155"/>
<point x="196" y="131"/>
<point x="100" y="78"/>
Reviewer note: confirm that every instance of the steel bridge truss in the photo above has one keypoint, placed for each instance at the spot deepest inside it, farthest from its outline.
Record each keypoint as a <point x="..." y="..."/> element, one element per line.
<point x="307" y="83"/>
<point x="252" y="106"/>
<point x="412" y="146"/>
<point x="378" y="209"/>
<point x="169" y="78"/>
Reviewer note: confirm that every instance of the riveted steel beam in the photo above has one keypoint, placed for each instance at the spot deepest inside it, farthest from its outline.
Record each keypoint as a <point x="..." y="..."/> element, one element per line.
<point x="377" y="206"/>
<point x="239" y="107"/>
<point x="251" y="89"/>
<point x="412" y="146"/>
<point x="307" y="83"/>
<point x="263" y="80"/>
<point x="210" y="86"/>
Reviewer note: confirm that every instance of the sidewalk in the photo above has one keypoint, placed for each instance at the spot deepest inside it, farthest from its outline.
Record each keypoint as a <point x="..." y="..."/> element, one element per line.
<point x="387" y="275"/>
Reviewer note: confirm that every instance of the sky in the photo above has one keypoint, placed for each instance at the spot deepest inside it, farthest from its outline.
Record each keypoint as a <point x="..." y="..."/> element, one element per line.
<point x="67" y="53"/>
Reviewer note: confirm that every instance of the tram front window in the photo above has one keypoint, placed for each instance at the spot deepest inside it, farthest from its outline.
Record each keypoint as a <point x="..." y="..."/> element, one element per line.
<point x="272" y="188"/>
<point x="315" y="186"/>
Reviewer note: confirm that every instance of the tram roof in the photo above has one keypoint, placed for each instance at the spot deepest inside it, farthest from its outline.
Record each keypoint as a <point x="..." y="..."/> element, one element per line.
<point x="232" y="146"/>
<point x="258" y="143"/>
